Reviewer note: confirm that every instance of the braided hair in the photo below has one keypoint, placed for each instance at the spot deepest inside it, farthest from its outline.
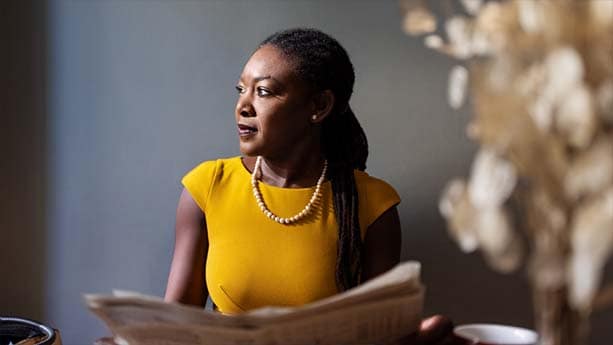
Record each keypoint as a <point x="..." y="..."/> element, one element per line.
<point x="324" y="64"/>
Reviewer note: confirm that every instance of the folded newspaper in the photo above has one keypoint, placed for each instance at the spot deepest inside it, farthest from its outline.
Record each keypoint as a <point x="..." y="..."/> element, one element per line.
<point x="376" y="312"/>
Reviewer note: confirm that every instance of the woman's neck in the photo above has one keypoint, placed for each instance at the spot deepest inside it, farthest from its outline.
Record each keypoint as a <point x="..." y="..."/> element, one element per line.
<point x="300" y="168"/>
<point x="293" y="172"/>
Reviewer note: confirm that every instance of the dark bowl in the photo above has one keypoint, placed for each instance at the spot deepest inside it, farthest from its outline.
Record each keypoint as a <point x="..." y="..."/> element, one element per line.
<point x="14" y="330"/>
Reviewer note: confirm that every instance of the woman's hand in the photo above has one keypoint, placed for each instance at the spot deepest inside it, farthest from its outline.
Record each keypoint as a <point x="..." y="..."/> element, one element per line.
<point x="435" y="330"/>
<point x="105" y="341"/>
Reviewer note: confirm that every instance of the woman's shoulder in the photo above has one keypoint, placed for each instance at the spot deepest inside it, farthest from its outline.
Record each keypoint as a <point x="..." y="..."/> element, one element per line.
<point x="202" y="179"/>
<point x="209" y="168"/>
<point x="218" y="162"/>
<point x="375" y="197"/>
<point x="371" y="184"/>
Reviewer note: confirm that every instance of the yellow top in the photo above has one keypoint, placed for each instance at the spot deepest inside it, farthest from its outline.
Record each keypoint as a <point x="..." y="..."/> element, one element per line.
<point x="253" y="261"/>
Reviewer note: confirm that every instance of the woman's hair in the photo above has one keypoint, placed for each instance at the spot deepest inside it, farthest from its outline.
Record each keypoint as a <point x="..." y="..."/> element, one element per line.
<point x="324" y="64"/>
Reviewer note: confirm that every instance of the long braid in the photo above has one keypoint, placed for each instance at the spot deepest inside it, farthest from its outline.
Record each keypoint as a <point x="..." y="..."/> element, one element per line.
<point x="322" y="62"/>
<point x="349" y="147"/>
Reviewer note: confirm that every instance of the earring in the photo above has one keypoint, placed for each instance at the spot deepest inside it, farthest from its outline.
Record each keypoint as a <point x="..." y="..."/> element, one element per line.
<point x="314" y="117"/>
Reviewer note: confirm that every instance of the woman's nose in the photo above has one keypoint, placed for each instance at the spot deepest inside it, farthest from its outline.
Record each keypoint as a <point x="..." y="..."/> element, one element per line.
<point x="244" y="109"/>
<point x="245" y="113"/>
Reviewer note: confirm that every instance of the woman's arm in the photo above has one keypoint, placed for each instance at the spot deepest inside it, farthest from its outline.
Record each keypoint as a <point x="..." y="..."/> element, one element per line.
<point x="186" y="281"/>
<point x="382" y="252"/>
<point x="381" y="245"/>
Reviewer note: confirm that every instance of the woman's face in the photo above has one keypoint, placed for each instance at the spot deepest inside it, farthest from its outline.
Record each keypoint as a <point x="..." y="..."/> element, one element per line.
<point x="273" y="110"/>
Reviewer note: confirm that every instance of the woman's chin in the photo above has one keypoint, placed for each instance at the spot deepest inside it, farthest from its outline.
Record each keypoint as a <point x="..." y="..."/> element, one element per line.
<point x="248" y="150"/>
<point x="244" y="154"/>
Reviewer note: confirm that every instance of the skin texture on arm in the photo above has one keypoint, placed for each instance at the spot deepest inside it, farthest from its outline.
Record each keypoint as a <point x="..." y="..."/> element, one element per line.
<point x="381" y="245"/>
<point x="186" y="281"/>
<point x="382" y="252"/>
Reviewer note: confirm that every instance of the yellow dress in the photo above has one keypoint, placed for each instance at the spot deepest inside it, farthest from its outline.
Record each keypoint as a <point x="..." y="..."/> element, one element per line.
<point x="253" y="261"/>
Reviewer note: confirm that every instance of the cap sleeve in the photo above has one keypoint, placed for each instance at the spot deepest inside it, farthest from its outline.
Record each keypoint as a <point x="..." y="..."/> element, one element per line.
<point x="199" y="181"/>
<point x="375" y="196"/>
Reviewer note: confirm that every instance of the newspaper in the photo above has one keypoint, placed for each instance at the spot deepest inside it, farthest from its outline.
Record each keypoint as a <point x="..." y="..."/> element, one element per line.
<point x="376" y="312"/>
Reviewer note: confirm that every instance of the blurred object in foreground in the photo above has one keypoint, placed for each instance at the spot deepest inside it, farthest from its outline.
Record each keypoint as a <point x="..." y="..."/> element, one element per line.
<point x="539" y="78"/>
<point x="20" y="331"/>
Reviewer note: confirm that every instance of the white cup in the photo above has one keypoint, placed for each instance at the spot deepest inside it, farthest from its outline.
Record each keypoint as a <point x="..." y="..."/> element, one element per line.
<point x="492" y="334"/>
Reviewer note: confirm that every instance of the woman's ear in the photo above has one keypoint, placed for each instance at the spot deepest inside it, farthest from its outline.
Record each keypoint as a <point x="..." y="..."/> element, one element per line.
<point x="323" y="103"/>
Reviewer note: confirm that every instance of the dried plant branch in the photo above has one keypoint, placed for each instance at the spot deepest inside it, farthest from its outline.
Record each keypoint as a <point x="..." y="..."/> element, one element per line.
<point x="604" y="298"/>
<point x="540" y="78"/>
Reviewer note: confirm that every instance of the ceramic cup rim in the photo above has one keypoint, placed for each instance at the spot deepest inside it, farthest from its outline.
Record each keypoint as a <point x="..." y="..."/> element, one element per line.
<point x="46" y="330"/>
<point x="526" y="336"/>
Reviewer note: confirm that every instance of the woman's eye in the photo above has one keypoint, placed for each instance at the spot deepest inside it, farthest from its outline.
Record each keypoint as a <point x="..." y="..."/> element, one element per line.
<point x="240" y="89"/>
<point x="263" y="92"/>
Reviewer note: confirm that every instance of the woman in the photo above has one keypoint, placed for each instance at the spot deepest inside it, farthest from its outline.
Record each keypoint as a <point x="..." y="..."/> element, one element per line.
<point x="295" y="219"/>
<point x="293" y="114"/>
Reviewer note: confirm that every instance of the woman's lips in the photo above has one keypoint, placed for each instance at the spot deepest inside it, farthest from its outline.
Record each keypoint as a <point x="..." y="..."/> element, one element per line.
<point x="244" y="130"/>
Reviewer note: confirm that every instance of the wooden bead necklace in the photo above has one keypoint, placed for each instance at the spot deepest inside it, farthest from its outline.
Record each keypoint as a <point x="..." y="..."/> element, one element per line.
<point x="300" y="215"/>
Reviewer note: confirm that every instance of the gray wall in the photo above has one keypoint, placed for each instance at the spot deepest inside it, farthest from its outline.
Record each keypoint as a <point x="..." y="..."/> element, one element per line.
<point x="141" y="91"/>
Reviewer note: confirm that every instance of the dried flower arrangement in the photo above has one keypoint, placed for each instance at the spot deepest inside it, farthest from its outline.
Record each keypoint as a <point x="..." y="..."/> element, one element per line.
<point x="541" y="89"/>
